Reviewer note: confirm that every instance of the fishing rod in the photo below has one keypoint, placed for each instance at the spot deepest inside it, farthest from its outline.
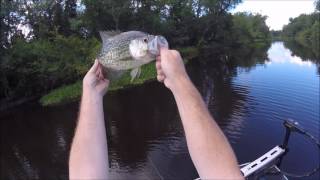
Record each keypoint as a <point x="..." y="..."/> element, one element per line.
<point x="270" y="162"/>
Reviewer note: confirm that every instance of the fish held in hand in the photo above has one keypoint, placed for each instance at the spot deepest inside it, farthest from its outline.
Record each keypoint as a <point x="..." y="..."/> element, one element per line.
<point x="128" y="50"/>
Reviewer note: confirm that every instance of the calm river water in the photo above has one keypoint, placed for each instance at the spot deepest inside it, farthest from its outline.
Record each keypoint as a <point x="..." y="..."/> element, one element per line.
<point x="145" y="136"/>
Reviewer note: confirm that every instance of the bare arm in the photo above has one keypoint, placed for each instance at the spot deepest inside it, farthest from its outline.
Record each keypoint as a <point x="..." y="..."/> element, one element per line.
<point x="89" y="153"/>
<point x="209" y="149"/>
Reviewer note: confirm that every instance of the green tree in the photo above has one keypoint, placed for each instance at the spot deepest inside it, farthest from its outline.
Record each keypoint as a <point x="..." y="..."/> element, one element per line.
<point x="59" y="22"/>
<point x="10" y="12"/>
<point x="71" y="8"/>
<point x="250" y="30"/>
<point x="10" y="17"/>
<point x="63" y="36"/>
<point x="35" y="67"/>
<point x="304" y="30"/>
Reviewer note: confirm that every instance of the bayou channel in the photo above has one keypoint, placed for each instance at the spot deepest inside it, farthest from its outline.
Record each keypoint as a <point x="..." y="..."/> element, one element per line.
<point x="249" y="100"/>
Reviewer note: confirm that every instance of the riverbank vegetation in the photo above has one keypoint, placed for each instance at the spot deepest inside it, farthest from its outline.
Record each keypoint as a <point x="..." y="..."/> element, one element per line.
<point x="50" y="44"/>
<point x="251" y="30"/>
<point x="304" y="32"/>
<point x="73" y="91"/>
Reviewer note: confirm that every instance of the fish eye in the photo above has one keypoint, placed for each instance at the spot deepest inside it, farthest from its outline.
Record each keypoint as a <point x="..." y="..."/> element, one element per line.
<point x="145" y="40"/>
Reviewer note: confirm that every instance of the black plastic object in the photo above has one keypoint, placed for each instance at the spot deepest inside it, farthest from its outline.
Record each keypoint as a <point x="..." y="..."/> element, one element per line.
<point x="291" y="126"/>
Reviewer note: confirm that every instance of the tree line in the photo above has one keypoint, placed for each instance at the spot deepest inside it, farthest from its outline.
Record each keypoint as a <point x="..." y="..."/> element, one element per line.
<point x="49" y="43"/>
<point x="304" y="30"/>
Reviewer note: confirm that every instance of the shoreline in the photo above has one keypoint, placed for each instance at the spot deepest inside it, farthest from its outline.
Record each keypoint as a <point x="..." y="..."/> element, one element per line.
<point x="72" y="92"/>
<point x="5" y="105"/>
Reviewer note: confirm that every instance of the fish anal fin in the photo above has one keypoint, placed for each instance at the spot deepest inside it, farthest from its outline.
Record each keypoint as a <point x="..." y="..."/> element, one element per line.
<point x="135" y="73"/>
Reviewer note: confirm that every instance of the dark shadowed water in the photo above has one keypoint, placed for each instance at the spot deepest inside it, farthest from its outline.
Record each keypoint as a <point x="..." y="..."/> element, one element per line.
<point x="145" y="136"/>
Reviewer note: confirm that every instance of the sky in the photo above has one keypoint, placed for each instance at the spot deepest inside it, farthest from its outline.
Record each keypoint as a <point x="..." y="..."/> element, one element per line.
<point x="278" y="11"/>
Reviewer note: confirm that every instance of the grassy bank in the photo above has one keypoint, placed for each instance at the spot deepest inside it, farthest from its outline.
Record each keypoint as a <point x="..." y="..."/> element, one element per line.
<point x="72" y="92"/>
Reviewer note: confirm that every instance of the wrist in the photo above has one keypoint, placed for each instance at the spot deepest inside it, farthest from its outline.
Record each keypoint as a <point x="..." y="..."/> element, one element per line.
<point x="91" y="95"/>
<point x="180" y="84"/>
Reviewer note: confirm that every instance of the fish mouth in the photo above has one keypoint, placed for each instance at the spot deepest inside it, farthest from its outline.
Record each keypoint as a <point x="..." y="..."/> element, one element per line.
<point x="156" y="43"/>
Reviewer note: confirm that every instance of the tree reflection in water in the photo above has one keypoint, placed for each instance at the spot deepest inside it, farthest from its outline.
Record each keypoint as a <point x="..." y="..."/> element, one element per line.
<point x="310" y="53"/>
<point x="145" y="135"/>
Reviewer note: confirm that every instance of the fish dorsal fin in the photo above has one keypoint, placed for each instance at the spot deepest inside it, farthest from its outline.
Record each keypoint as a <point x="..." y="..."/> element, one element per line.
<point x="105" y="35"/>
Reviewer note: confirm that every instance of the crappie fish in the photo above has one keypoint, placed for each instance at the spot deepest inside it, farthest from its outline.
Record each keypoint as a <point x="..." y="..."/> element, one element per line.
<point x="128" y="50"/>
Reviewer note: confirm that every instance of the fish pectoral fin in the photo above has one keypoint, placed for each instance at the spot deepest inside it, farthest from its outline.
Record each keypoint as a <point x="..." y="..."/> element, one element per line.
<point x="114" y="74"/>
<point x="135" y="73"/>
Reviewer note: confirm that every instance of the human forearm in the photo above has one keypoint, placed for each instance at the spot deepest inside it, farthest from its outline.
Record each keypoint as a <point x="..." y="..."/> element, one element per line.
<point x="209" y="149"/>
<point x="89" y="156"/>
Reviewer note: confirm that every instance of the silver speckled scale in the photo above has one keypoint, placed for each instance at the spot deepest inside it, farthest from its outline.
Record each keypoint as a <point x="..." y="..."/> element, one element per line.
<point x="115" y="53"/>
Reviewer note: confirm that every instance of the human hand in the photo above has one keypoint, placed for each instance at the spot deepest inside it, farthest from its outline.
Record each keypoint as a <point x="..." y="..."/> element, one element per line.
<point x="94" y="82"/>
<point x="170" y="68"/>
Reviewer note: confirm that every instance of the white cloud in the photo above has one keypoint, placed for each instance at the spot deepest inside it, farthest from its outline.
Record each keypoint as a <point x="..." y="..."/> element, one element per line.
<point x="278" y="11"/>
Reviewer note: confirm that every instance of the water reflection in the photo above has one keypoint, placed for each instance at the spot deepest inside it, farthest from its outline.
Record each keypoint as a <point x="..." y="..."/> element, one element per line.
<point x="214" y="73"/>
<point x="25" y="164"/>
<point x="35" y="141"/>
<point x="279" y="54"/>
<point x="144" y="131"/>
<point x="308" y="53"/>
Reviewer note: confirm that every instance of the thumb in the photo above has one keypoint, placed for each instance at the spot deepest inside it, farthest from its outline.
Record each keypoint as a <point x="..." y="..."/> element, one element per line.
<point x="95" y="66"/>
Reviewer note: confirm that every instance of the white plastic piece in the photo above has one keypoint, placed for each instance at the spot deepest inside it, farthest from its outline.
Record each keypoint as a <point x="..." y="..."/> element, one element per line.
<point x="262" y="161"/>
